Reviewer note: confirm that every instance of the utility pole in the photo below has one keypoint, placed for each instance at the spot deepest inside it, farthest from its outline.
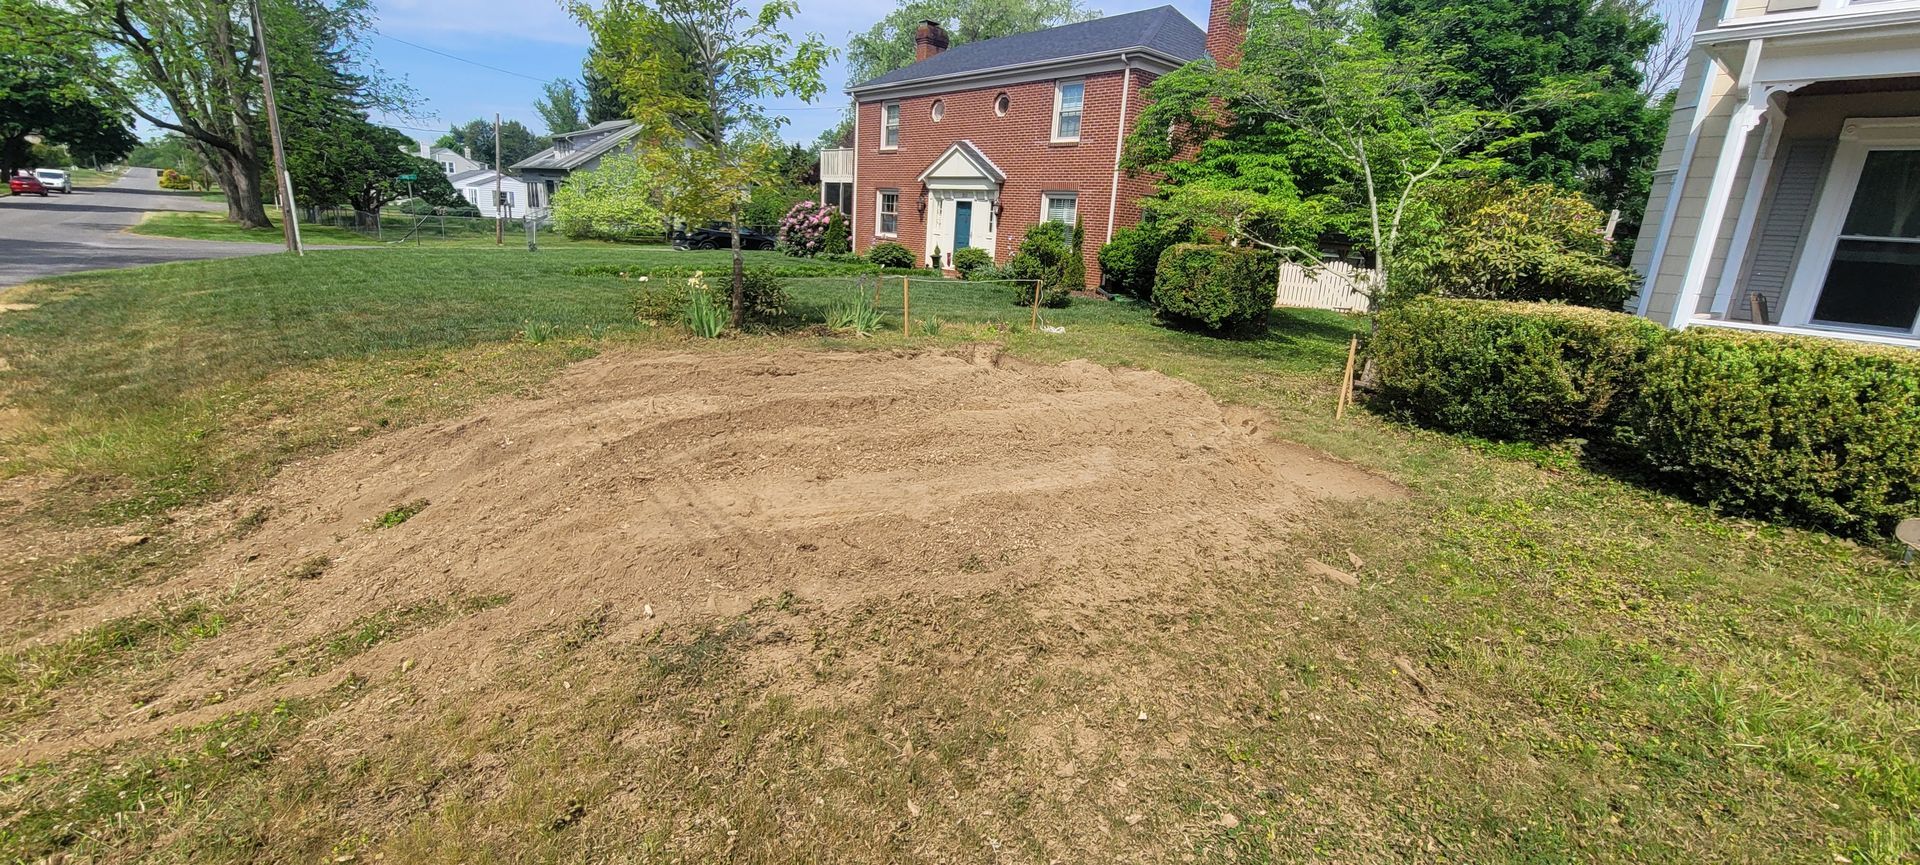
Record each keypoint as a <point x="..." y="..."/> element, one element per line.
<point x="289" y="226"/>
<point x="499" y="219"/>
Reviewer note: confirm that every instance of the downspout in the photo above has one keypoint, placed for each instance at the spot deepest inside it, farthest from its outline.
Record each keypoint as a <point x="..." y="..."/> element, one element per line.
<point x="1680" y="175"/>
<point x="853" y="196"/>
<point x="1119" y="140"/>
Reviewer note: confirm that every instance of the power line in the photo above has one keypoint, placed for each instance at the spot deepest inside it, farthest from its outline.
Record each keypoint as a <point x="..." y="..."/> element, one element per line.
<point x="462" y="59"/>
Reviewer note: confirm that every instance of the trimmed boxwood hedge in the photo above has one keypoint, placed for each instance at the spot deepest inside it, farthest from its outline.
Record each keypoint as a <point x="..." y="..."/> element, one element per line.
<point x="1508" y="370"/>
<point x="1214" y="287"/>
<point x="1798" y="429"/>
<point x="1817" y="432"/>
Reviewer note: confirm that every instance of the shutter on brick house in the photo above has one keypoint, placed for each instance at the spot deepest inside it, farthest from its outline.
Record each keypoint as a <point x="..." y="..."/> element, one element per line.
<point x="1783" y="231"/>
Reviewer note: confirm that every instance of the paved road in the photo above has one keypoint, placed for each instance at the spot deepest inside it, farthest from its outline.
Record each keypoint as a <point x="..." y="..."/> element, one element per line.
<point x="86" y="230"/>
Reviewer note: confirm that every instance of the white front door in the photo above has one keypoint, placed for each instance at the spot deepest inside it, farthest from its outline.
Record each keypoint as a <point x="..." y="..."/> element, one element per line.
<point x="960" y="219"/>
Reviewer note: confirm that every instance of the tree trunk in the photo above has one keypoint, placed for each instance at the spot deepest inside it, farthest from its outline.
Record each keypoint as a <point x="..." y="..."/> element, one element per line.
<point x="239" y="180"/>
<point x="739" y="273"/>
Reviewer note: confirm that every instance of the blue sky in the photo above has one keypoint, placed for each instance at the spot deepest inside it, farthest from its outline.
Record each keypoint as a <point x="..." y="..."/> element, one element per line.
<point x="537" y="39"/>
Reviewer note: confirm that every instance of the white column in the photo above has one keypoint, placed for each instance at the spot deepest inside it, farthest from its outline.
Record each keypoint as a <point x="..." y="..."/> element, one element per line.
<point x="1719" y="190"/>
<point x="1735" y="267"/>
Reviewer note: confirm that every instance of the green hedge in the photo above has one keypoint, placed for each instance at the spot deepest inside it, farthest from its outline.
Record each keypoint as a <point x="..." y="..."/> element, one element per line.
<point x="1817" y="432"/>
<point x="1505" y="370"/>
<point x="1213" y="287"/>
<point x="1799" y="429"/>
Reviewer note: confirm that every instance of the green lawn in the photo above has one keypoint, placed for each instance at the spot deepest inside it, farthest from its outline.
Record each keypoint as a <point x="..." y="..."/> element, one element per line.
<point x="1617" y="675"/>
<point x="92" y="177"/>
<point x="397" y="231"/>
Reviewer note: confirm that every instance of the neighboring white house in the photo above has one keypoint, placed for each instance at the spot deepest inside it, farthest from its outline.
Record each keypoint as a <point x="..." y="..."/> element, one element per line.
<point x="451" y="162"/>
<point x="1788" y="194"/>
<point x="581" y="150"/>
<point x="478" y="187"/>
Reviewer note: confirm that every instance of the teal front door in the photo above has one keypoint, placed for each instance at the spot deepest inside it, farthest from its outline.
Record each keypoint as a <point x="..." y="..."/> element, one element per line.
<point x="962" y="224"/>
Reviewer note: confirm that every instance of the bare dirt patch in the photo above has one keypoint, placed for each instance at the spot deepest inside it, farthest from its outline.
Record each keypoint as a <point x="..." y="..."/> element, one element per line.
<point x="643" y="491"/>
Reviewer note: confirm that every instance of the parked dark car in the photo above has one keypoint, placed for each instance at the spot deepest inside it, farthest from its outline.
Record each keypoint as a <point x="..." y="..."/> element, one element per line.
<point x="27" y="184"/>
<point x="720" y="237"/>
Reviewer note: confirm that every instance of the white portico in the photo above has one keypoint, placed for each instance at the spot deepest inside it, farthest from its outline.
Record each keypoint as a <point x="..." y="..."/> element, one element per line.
<point x="1788" y="198"/>
<point x="962" y="189"/>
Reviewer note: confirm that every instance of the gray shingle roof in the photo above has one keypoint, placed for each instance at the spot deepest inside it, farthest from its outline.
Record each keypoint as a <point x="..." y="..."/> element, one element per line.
<point x="1161" y="29"/>
<point x="583" y="145"/>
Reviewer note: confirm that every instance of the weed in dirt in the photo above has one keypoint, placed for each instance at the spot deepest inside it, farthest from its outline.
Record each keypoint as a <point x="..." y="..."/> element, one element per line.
<point x="400" y="514"/>
<point x="30" y="676"/>
<point x="250" y="523"/>
<point x="537" y="332"/>
<point x="855" y="314"/>
<point x="368" y="631"/>
<point x="310" y="568"/>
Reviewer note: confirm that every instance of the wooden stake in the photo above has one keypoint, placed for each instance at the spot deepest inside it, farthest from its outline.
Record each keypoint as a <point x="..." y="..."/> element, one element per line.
<point x="1346" y="379"/>
<point x="1035" y="324"/>
<point x="906" y="306"/>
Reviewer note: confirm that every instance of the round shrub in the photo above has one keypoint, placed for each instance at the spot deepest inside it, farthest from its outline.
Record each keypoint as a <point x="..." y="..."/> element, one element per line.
<point x="610" y="202"/>
<point x="1516" y="371"/>
<point x="1812" y="431"/>
<point x="1128" y="262"/>
<point x="1223" y="289"/>
<point x="890" y="255"/>
<point x="1046" y="261"/>
<point x="1509" y="241"/>
<point x="971" y="259"/>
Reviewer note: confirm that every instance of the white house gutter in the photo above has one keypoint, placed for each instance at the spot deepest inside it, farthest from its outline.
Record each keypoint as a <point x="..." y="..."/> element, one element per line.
<point x="1119" y="139"/>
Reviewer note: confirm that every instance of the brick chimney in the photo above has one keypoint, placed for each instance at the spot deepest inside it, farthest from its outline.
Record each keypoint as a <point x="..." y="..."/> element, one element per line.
<point x="929" y="39"/>
<point x="1226" y="31"/>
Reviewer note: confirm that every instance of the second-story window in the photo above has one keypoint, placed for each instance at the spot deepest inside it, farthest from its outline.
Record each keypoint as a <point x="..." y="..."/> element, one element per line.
<point x="890" y="126"/>
<point x="1068" y="96"/>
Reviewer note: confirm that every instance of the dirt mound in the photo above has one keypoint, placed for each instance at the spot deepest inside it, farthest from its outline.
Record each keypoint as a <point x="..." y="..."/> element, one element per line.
<point x="670" y="487"/>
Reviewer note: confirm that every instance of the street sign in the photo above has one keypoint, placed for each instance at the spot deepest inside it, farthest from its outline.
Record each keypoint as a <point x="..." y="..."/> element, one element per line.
<point x="408" y="177"/>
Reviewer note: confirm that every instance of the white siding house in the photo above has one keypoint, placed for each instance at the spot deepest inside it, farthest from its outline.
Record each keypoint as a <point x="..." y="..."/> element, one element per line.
<point x="478" y="187"/>
<point x="1787" y="196"/>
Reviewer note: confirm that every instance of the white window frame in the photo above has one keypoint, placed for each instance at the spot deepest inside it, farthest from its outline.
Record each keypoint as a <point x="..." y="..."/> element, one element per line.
<point x="503" y="199"/>
<point x="891" y="121"/>
<point x="880" y="213"/>
<point x="1046" y="205"/>
<point x="1080" y="115"/>
<point x="1858" y="137"/>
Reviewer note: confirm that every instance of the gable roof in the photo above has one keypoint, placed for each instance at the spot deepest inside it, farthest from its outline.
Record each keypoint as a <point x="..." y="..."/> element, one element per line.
<point x="1161" y="30"/>
<point x="583" y="146"/>
<point x="971" y="154"/>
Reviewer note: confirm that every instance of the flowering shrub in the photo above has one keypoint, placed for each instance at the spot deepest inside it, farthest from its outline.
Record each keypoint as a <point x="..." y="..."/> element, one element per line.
<point x="803" y="231"/>
<point x="171" y="179"/>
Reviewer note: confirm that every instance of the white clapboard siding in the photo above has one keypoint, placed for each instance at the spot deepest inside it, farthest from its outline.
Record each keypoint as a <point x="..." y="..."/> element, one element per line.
<point x="1332" y="285"/>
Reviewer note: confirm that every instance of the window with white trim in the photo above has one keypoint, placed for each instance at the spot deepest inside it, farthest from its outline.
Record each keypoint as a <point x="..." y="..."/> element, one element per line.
<point x="1068" y="98"/>
<point x="889" y="212"/>
<point x="504" y="198"/>
<point x="890" y="126"/>
<point x="1062" y="207"/>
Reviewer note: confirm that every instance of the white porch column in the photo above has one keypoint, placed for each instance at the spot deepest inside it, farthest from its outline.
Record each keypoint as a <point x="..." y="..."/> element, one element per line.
<point x="1713" y="214"/>
<point x="1735" y="266"/>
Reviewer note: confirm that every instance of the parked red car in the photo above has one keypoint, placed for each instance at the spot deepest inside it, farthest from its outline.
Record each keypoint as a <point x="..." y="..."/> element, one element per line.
<point x="27" y="184"/>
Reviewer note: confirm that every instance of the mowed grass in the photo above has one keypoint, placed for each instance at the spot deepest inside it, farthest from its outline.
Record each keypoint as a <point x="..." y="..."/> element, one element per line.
<point x="1539" y="664"/>
<point x="93" y="177"/>
<point x="397" y="229"/>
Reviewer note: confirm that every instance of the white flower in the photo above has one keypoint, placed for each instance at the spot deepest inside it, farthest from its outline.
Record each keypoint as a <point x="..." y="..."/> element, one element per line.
<point x="643" y="279"/>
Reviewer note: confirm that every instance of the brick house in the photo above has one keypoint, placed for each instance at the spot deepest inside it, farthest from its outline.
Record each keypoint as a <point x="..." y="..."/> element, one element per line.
<point x="972" y="146"/>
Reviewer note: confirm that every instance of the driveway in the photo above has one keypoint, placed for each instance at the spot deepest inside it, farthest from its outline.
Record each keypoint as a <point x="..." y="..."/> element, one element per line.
<point x="87" y="230"/>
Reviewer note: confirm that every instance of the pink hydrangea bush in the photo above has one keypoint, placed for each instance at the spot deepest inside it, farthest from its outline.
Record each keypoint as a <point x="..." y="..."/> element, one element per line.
<point x="803" y="230"/>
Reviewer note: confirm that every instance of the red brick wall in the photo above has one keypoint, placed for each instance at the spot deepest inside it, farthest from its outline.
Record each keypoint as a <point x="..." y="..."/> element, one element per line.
<point x="1019" y="143"/>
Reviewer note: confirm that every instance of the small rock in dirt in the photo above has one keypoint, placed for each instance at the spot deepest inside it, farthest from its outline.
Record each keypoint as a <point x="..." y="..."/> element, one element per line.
<point x="134" y="540"/>
<point x="647" y="610"/>
<point x="1355" y="560"/>
<point x="1407" y="669"/>
<point x="1228" y="821"/>
<point x="1064" y="770"/>
<point x="912" y="809"/>
<point x="1134" y="819"/>
<point x="1143" y="714"/>
<point x="1332" y="573"/>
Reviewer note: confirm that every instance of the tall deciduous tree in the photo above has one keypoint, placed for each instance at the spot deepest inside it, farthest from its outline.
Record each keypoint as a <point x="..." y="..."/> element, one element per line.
<point x="42" y="93"/>
<point x="1336" y="121"/>
<point x="694" y="73"/>
<point x="1501" y="50"/>
<point x="560" y="106"/>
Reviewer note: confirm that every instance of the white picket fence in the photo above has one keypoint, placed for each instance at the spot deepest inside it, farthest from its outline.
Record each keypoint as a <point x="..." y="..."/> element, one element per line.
<point x="1332" y="285"/>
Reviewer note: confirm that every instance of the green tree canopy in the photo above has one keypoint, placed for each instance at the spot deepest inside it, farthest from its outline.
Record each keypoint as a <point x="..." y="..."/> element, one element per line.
<point x="517" y="142"/>
<point x="43" y="93"/>
<point x="560" y="106"/>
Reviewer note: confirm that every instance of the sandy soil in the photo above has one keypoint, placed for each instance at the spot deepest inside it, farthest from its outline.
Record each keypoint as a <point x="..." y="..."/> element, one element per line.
<point x="658" y="489"/>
